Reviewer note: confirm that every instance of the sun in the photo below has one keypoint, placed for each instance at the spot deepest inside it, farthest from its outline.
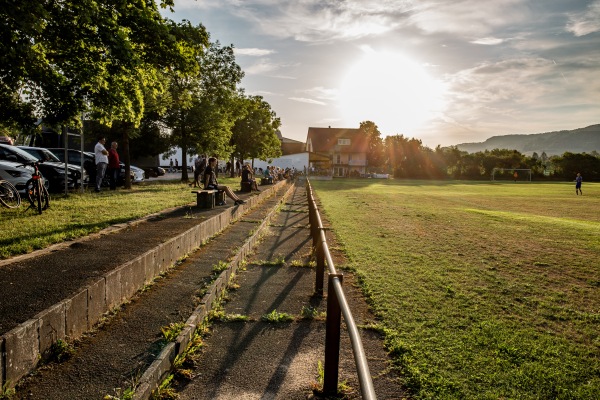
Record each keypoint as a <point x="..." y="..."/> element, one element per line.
<point x="390" y="90"/>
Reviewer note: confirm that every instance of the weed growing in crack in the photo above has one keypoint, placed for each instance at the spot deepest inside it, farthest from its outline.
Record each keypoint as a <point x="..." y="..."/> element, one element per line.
<point x="275" y="317"/>
<point x="60" y="351"/>
<point x="219" y="267"/>
<point x="171" y="331"/>
<point x="165" y="391"/>
<point x="302" y="264"/>
<point x="279" y="261"/>
<point x="6" y="393"/>
<point x="310" y="313"/>
<point x="222" y="316"/>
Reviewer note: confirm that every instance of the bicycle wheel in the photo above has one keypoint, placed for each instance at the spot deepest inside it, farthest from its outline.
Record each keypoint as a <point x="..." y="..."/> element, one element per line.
<point x="34" y="194"/>
<point x="9" y="196"/>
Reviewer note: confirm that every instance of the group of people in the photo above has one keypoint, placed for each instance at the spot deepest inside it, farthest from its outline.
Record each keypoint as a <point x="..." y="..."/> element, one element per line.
<point x="107" y="162"/>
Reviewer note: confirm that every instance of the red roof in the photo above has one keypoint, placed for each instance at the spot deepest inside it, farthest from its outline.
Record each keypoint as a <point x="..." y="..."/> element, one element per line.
<point x="325" y="140"/>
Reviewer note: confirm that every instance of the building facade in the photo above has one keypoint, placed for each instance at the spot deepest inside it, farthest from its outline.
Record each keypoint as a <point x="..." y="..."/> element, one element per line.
<point x="339" y="152"/>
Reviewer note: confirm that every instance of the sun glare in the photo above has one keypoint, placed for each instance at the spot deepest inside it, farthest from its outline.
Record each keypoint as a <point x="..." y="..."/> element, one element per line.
<point x="390" y="90"/>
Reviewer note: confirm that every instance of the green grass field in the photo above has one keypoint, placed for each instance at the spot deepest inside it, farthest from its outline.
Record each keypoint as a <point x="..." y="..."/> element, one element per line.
<point x="81" y="214"/>
<point x="484" y="290"/>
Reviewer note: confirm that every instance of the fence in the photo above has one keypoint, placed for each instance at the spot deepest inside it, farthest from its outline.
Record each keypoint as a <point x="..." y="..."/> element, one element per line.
<point x="336" y="307"/>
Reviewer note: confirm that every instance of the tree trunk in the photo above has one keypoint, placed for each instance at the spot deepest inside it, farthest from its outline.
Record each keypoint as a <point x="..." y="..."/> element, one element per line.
<point x="126" y="159"/>
<point x="184" y="147"/>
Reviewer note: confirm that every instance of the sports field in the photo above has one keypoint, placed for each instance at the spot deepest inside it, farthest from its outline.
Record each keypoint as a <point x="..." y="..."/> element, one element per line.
<point x="484" y="290"/>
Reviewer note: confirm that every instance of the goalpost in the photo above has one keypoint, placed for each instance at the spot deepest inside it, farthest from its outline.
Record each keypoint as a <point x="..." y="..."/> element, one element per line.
<point x="511" y="171"/>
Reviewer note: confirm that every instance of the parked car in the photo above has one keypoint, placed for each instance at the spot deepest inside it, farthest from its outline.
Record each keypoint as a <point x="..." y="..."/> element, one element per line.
<point x="53" y="172"/>
<point x="89" y="164"/>
<point x="16" y="174"/>
<point x="138" y="174"/>
<point x="46" y="155"/>
<point x="153" y="172"/>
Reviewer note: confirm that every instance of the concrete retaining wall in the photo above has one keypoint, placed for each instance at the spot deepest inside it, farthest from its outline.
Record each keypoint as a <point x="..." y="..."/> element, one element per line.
<point x="22" y="348"/>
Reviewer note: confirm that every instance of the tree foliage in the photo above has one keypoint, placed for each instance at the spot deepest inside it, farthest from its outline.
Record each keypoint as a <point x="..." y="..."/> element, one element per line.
<point x="376" y="154"/>
<point x="202" y="104"/>
<point x="254" y="133"/>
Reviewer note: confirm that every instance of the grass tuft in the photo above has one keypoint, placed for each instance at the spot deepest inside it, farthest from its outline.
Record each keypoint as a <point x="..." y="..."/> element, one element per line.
<point x="171" y="331"/>
<point x="275" y="317"/>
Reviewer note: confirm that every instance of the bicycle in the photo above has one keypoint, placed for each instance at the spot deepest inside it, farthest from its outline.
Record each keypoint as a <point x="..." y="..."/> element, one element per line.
<point x="37" y="194"/>
<point x="9" y="196"/>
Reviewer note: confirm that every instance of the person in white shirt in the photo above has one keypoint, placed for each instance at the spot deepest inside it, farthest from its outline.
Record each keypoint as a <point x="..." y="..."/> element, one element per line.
<point x="101" y="156"/>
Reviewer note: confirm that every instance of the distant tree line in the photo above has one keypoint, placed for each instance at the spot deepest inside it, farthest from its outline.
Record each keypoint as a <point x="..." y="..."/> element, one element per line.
<point x="405" y="157"/>
<point x="129" y="74"/>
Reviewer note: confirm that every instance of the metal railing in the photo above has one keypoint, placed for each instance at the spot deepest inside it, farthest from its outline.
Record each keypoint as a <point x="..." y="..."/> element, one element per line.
<point x="336" y="307"/>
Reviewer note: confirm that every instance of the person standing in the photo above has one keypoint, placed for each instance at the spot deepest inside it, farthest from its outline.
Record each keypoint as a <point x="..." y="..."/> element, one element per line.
<point x="114" y="165"/>
<point x="101" y="158"/>
<point x="578" y="180"/>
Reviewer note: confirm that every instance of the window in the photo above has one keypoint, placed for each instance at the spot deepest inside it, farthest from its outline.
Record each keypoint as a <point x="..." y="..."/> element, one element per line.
<point x="343" y="142"/>
<point x="338" y="158"/>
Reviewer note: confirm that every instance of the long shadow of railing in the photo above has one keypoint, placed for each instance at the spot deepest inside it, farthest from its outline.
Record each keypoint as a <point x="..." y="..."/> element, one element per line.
<point x="336" y="307"/>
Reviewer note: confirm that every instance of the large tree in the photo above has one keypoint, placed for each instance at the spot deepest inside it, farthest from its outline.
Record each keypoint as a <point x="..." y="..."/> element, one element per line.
<point x="104" y="56"/>
<point x="204" y="104"/>
<point x="255" y="133"/>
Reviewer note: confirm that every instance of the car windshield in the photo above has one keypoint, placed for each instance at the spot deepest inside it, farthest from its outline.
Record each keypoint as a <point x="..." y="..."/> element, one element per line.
<point x="42" y="154"/>
<point x="48" y="156"/>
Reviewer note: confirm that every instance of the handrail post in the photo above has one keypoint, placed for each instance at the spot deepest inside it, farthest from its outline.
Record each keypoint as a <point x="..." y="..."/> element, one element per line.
<point x="314" y="224"/>
<point x="332" y="337"/>
<point x="320" y="256"/>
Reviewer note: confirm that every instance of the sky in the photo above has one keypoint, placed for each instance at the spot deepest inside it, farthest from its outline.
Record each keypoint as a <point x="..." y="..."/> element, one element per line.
<point x="442" y="71"/>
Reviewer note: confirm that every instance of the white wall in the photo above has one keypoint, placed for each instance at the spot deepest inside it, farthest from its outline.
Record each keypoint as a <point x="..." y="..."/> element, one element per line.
<point x="298" y="161"/>
<point x="176" y="156"/>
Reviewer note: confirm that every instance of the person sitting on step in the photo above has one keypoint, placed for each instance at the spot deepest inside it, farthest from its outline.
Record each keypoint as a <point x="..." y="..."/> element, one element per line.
<point x="210" y="181"/>
<point x="248" y="177"/>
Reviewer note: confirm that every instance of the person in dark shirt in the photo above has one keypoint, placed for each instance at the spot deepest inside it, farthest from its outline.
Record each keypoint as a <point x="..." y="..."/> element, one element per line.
<point x="578" y="180"/>
<point x="114" y="165"/>
<point x="210" y="182"/>
<point x="248" y="176"/>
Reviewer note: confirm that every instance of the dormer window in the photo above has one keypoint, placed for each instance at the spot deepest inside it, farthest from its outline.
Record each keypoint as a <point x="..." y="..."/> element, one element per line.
<point x="343" y="142"/>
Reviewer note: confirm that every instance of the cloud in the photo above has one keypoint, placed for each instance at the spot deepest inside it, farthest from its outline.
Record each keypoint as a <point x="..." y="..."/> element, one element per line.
<point x="322" y="93"/>
<point x="253" y="52"/>
<point x="468" y="17"/>
<point x="512" y="96"/>
<point x="584" y="23"/>
<point x="488" y="41"/>
<point x="309" y="101"/>
<point x="263" y="67"/>
<point x="321" y="20"/>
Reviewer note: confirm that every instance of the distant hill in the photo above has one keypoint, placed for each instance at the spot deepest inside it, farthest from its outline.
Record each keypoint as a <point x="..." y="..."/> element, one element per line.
<point x="582" y="140"/>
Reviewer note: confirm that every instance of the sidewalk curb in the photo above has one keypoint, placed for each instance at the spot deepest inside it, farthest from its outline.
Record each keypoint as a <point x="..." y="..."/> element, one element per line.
<point x="160" y="368"/>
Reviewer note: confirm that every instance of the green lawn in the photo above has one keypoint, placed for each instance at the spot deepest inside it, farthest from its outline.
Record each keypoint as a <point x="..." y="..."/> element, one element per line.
<point x="81" y="214"/>
<point x="484" y="290"/>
